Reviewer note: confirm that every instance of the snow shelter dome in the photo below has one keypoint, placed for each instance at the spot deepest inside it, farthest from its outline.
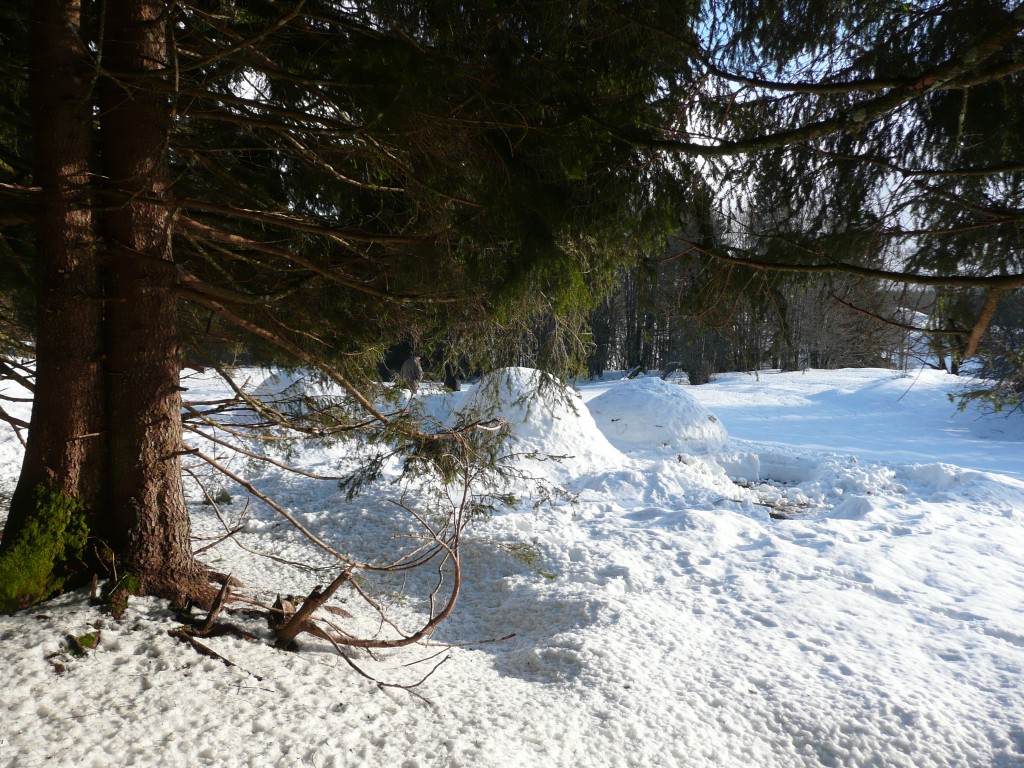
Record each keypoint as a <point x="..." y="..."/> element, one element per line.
<point x="543" y="415"/>
<point x="650" y="414"/>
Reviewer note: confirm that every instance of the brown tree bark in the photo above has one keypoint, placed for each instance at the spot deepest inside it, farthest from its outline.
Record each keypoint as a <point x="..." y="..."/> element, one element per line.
<point x="147" y="523"/>
<point x="65" y="443"/>
<point x="106" y="423"/>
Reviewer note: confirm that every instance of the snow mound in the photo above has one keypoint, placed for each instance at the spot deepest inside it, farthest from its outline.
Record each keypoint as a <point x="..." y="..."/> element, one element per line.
<point x="282" y="388"/>
<point x="544" y="417"/>
<point x="287" y="385"/>
<point x="296" y="393"/>
<point x="648" y="413"/>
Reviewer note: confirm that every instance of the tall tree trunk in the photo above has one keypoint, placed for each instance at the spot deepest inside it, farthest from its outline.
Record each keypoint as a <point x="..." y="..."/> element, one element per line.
<point x="148" y="524"/>
<point x="65" y="444"/>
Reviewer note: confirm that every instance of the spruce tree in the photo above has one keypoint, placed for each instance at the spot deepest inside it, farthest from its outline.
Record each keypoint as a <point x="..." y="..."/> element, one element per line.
<point x="317" y="181"/>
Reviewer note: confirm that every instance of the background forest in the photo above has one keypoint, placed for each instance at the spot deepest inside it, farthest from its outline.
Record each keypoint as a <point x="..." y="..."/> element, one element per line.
<point x="660" y="318"/>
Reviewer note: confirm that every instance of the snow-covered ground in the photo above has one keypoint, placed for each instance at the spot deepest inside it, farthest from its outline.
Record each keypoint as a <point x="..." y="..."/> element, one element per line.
<point x="801" y="569"/>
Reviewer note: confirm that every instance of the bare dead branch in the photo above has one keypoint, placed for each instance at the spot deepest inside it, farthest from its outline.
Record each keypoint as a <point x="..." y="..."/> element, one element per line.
<point x="294" y="349"/>
<point x="303" y="618"/>
<point x="333" y="274"/>
<point x="215" y="609"/>
<point x="17" y="371"/>
<point x="14" y="421"/>
<point x="297" y="223"/>
<point x="280" y="510"/>
<point x="249" y="42"/>
<point x="259" y="456"/>
<point x="409" y="687"/>
<point x="183" y="634"/>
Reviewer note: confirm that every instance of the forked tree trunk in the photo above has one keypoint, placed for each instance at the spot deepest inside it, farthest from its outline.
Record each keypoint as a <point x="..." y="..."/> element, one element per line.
<point x="66" y="441"/>
<point x="147" y="523"/>
<point x="106" y="423"/>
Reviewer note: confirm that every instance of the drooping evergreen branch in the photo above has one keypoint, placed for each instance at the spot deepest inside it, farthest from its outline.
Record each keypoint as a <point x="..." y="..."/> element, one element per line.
<point x="992" y="282"/>
<point x="332" y="273"/>
<point x="909" y="172"/>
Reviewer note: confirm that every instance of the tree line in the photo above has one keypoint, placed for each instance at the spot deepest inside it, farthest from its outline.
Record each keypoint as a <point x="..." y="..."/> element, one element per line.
<point x="667" y="315"/>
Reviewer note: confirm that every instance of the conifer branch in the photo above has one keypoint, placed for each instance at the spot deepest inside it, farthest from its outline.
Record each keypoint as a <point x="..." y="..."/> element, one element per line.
<point x="991" y="282"/>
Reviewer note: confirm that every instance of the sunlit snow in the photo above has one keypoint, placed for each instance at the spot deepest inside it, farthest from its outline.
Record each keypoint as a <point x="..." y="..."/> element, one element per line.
<point x="804" y="569"/>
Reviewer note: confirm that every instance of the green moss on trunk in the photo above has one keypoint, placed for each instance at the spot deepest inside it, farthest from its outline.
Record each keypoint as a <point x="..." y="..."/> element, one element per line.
<point x="47" y="550"/>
